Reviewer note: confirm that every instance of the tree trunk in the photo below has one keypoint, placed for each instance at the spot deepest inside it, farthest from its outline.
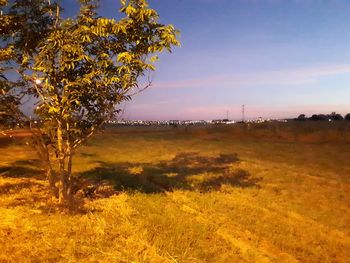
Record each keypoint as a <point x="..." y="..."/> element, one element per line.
<point x="64" y="192"/>
<point x="52" y="181"/>
<point x="43" y="153"/>
<point x="69" y="175"/>
<point x="64" y="183"/>
<point x="50" y="173"/>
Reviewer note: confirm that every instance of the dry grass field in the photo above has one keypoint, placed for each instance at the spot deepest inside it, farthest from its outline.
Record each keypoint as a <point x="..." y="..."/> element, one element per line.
<point x="258" y="193"/>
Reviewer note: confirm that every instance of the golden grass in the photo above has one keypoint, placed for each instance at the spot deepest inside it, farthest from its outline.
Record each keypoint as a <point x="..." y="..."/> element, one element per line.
<point x="183" y="197"/>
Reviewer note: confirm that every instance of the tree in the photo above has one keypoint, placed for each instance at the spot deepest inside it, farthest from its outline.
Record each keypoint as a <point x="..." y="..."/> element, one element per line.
<point x="78" y="70"/>
<point x="319" y="117"/>
<point x="336" y="116"/>
<point x="301" y="117"/>
<point x="314" y="117"/>
<point x="23" y="25"/>
<point x="347" y="117"/>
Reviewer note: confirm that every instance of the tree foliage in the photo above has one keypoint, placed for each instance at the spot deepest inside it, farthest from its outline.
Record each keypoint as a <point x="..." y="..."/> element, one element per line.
<point x="327" y="117"/>
<point x="301" y="117"/>
<point x="347" y="117"/>
<point x="76" y="70"/>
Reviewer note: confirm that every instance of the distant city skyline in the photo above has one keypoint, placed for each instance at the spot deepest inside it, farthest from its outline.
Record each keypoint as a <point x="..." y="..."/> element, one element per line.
<point x="236" y="115"/>
<point x="280" y="58"/>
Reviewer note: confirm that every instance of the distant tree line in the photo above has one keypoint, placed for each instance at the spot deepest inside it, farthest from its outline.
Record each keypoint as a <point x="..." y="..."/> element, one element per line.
<point x="324" y="117"/>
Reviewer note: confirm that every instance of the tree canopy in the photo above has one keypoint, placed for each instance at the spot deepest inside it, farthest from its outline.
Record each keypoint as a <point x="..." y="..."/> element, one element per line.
<point x="75" y="70"/>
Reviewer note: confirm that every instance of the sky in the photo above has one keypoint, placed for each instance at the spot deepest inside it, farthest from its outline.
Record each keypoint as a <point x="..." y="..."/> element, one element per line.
<point x="280" y="58"/>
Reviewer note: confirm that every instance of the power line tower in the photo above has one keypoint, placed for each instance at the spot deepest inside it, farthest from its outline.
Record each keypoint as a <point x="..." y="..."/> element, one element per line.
<point x="243" y="113"/>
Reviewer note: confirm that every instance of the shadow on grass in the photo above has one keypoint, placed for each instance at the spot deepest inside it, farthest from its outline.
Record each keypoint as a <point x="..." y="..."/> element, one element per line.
<point x="28" y="186"/>
<point x="5" y="141"/>
<point x="23" y="169"/>
<point x="10" y="188"/>
<point x="186" y="171"/>
<point x="88" y="154"/>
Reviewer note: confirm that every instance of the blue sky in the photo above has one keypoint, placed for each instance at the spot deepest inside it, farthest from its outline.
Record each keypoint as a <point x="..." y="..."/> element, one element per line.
<point x="279" y="58"/>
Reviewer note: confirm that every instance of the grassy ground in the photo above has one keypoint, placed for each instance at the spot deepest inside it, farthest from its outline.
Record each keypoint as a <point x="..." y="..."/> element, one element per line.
<point x="246" y="194"/>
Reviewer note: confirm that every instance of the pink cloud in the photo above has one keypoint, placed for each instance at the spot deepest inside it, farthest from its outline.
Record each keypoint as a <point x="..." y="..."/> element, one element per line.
<point x="296" y="76"/>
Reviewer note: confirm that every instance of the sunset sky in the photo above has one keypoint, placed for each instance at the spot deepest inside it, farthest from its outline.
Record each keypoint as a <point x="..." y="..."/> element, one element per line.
<point x="279" y="58"/>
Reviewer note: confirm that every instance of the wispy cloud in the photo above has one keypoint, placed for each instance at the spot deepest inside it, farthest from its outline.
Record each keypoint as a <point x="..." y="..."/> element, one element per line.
<point x="297" y="76"/>
<point x="150" y="105"/>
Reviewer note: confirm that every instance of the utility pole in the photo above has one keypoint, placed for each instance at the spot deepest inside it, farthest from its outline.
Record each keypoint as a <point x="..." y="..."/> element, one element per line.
<point x="243" y="113"/>
<point x="227" y="113"/>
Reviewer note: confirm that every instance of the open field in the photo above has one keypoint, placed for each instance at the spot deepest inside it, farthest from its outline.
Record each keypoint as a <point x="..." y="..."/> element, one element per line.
<point x="268" y="193"/>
